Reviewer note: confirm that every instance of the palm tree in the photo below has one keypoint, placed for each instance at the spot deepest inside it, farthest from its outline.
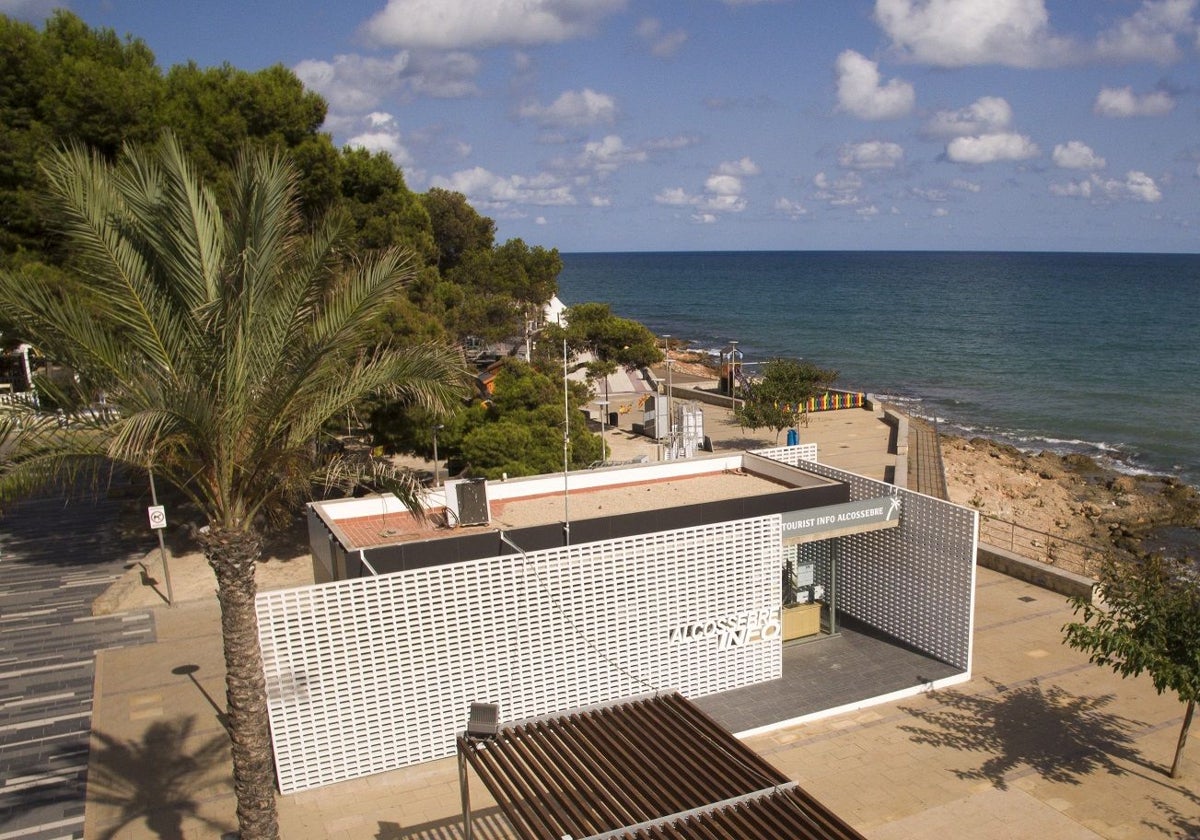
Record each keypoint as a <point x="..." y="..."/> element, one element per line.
<point x="223" y="335"/>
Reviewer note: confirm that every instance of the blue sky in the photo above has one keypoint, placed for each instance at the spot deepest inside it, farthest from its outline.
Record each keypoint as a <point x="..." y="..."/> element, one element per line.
<point x="611" y="125"/>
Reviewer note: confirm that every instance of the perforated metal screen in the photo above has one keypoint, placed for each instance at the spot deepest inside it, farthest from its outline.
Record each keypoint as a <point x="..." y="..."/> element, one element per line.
<point x="377" y="673"/>
<point x="373" y="674"/>
<point x="915" y="582"/>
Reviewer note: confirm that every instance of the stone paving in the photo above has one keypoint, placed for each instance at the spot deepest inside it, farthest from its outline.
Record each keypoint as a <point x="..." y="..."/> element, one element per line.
<point x="1038" y="744"/>
<point x="55" y="559"/>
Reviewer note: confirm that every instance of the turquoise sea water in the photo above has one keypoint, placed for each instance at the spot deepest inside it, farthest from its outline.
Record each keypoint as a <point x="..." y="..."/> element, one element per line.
<point x="1090" y="353"/>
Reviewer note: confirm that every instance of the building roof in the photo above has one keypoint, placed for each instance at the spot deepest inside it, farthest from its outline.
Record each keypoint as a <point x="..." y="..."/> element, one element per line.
<point x="644" y="489"/>
<point x="652" y="767"/>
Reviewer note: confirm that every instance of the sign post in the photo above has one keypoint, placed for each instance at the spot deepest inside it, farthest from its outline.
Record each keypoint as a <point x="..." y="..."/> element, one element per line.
<point x="158" y="521"/>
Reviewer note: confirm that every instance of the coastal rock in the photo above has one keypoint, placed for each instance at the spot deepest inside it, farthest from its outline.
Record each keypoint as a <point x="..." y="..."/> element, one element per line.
<point x="1069" y="497"/>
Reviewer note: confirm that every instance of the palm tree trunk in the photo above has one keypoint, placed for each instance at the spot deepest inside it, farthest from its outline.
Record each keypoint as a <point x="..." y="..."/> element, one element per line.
<point x="233" y="555"/>
<point x="1183" y="733"/>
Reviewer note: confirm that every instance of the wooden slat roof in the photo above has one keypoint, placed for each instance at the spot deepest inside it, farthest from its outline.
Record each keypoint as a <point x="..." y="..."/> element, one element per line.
<point x="651" y="768"/>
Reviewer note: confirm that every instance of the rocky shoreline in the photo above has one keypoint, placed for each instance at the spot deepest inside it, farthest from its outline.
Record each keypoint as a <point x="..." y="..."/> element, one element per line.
<point x="1072" y="497"/>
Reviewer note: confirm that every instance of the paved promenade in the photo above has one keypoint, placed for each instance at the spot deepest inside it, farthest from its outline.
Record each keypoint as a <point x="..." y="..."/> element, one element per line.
<point x="55" y="559"/>
<point x="1038" y="744"/>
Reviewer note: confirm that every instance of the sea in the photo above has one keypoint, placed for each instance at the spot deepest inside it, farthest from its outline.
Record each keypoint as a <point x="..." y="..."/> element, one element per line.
<point x="1097" y="354"/>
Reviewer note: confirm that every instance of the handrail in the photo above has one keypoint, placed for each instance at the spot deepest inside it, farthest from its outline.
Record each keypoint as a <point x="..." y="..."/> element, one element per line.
<point x="1052" y="549"/>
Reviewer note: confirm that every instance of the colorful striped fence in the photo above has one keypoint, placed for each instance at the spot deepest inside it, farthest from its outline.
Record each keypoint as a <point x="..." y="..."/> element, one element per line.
<point x="834" y="400"/>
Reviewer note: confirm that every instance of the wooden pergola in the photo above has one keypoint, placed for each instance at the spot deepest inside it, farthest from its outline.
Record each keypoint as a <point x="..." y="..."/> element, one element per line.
<point x="647" y="768"/>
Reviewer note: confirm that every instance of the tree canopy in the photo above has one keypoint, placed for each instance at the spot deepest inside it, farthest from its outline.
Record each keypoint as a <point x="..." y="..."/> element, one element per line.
<point x="593" y="327"/>
<point x="1145" y="618"/>
<point x="224" y="334"/>
<point x="72" y="83"/>
<point x="69" y="83"/>
<point x="517" y="430"/>
<point x="777" y="398"/>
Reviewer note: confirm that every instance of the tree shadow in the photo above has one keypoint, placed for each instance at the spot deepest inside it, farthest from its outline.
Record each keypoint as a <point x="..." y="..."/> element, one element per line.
<point x="1059" y="736"/>
<point x="1178" y="824"/>
<point x="156" y="778"/>
<point x="487" y="824"/>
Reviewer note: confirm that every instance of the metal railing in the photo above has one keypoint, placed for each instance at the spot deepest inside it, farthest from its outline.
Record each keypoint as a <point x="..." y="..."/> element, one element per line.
<point x="1051" y="549"/>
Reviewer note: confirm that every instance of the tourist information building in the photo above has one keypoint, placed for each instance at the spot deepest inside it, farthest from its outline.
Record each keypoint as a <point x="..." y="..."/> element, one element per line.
<point x="554" y="592"/>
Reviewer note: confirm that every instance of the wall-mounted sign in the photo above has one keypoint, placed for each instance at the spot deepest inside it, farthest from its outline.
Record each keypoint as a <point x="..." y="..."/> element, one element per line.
<point x="732" y="630"/>
<point x="800" y="526"/>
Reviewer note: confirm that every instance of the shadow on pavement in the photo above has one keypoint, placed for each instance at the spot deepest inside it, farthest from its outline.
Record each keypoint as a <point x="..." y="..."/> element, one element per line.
<point x="157" y="778"/>
<point x="1178" y="823"/>
<point x="488" y="824"/>
<point x="1059" y="736"/>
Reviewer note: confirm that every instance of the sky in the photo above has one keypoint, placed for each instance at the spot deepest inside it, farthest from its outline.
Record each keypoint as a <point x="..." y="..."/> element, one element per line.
<point x="675" y="125"/>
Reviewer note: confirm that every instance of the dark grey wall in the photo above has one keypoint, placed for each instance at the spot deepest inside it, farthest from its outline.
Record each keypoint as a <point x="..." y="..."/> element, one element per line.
<point x="472" y="545"/>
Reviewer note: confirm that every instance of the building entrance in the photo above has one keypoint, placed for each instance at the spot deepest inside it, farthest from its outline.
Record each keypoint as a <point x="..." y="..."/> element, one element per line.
<point x="810" y="604"/>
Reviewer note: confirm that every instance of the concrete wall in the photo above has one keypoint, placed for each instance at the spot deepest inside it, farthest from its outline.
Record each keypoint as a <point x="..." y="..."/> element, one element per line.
<point x="1035" y="572"/>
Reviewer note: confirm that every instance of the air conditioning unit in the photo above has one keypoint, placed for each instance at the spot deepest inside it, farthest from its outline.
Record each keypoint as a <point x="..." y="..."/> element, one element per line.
<point x="473" y="502"/>
<point x="484" y="720"/>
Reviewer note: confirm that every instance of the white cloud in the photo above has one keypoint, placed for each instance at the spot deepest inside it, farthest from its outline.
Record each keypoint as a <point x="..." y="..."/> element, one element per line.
<point x="451" y="24"/>
<point x="745" y="166"/>
<point x="675" y="197"/>
<point x="1077" y="155"/>
<point x="723" y="185"/>
<point x="940" y="212"/>
<point x="1017" y="33"/>
<point x="934" y="196"/>
<point x="860" y="92"/>
<point x="960" y="33"/>
<point x="1136" y="186"/>
<point x="873" y="154"/>
<point x="486" y="189"/>
<point x="1123" y="102"/>
<point x="966" y="186"/>
<point x="661" y="44"/>
<point x="355" y="83"/>
<point x="990" y="148"/>
<point x="986" y="115"/>
<point x="608" y="155"/>
<point x="791" y="209"/>
<point x="382" y="141"/>
<point x="838" y="192"/>
<point x="1072" y="189"/>
<point x="867" y="212"/>
<point x="1150" y="34"/>
<point x="722" y="192"/>
<point x="573" y="109"/>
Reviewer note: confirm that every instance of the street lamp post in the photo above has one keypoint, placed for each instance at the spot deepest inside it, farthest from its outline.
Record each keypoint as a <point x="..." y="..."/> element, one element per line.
<point x="436" y="471"/>
<point x="670" y="413"/>
<point x="732" y="374"/>
<point x="603" y="446"/>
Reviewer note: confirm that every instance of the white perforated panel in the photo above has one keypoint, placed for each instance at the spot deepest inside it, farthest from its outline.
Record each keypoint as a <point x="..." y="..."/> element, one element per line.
<point x="915" y="582"/>
<point x="377" y="673"/>
<point x="793" y="456"/>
